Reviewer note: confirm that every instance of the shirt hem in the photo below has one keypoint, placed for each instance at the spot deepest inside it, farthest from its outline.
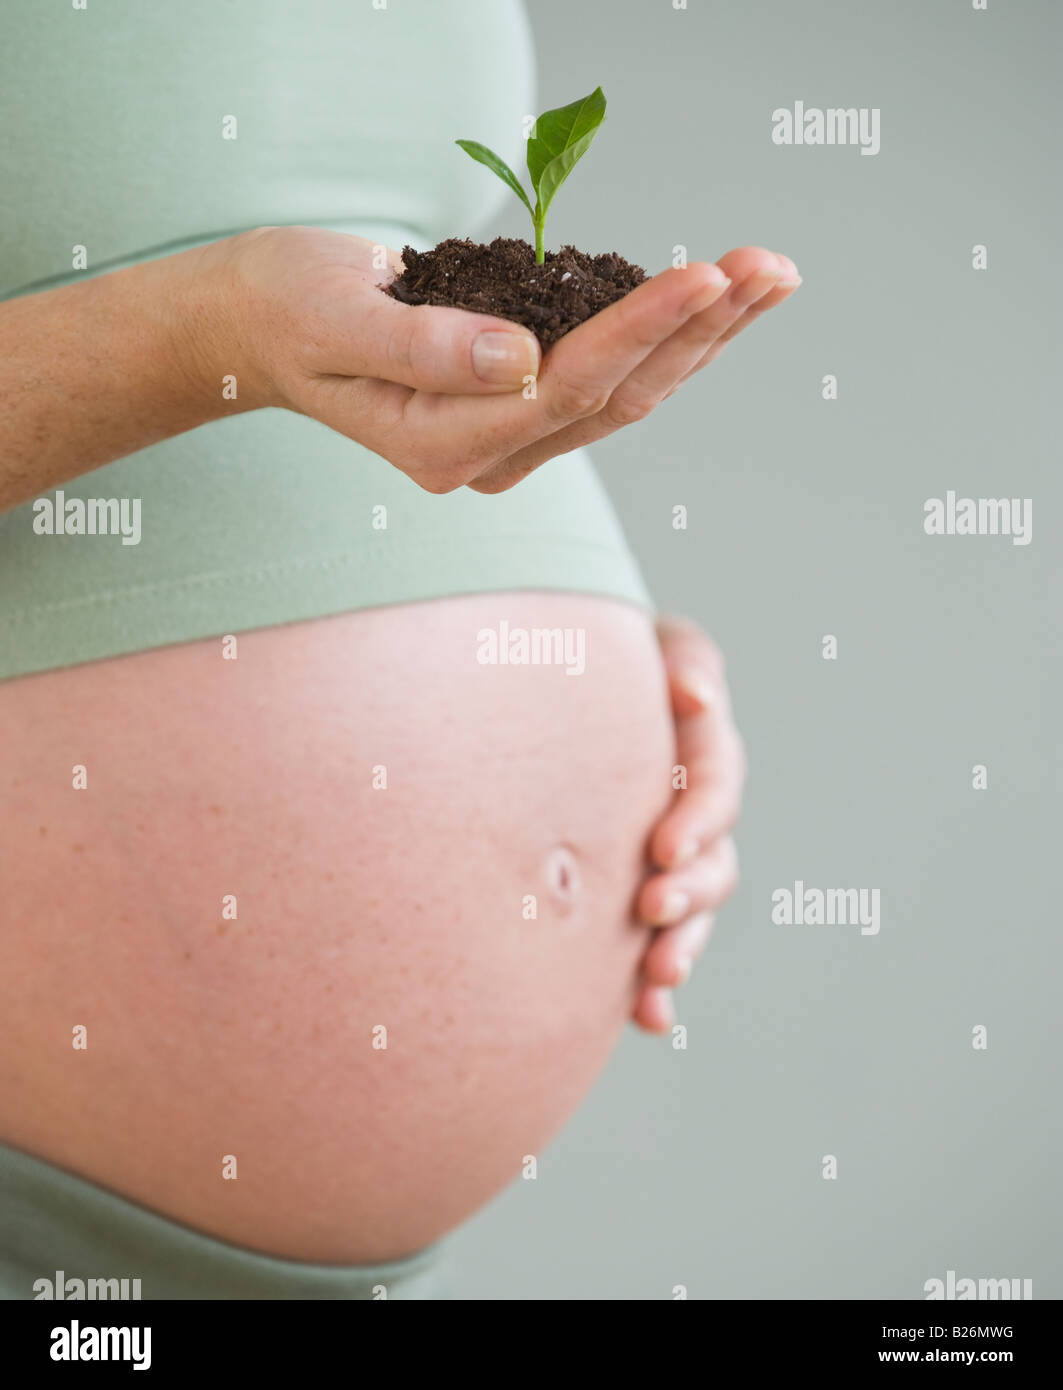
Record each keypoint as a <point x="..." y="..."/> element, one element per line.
<point x="121" y="622"/>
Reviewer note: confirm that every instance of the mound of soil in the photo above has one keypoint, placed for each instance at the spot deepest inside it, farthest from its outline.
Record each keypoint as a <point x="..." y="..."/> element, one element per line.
<point x="503" y="279"/>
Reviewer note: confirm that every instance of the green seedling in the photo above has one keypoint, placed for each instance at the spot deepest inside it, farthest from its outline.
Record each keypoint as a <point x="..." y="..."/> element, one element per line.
<point x="562" y="137"/>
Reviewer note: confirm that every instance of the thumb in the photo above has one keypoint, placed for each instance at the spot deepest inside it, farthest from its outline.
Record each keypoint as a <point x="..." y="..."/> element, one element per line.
<point x="435" y="349"/>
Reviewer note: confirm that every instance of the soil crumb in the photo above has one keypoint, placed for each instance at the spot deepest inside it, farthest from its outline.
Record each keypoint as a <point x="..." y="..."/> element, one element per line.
<point x="502" y="279"/>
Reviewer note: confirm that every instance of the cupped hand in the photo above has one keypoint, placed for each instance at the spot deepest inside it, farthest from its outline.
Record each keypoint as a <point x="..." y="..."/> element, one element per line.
<point x="453" y="398"/>
<point x="691" y="846"/>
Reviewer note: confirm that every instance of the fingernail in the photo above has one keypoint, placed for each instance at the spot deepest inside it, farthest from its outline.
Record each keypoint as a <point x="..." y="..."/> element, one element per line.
<point x="788" y="284"/>
<point x="504" y="359"/>
<point x="697" y="688"/>
<point x="683" y="967"/>
<point x="672" y="909"/>
<point x="688" y="850"/>
<point x="707" y="294"/>
<point x="757" y="285"/>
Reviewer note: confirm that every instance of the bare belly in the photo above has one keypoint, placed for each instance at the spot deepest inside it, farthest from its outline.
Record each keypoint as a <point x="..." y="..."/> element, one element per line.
<point x="383" y="1031"/>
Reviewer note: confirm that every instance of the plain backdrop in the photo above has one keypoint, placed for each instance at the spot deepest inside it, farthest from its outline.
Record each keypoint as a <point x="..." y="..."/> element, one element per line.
<point x="704" y="1167"/>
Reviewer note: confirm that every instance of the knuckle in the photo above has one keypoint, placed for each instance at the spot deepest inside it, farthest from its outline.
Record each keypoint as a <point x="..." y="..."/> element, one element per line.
<point x="427" y="348"/>
<point x="628" y="409"/>
<point x="398" y="348"/>
<point x="569" y="398"/>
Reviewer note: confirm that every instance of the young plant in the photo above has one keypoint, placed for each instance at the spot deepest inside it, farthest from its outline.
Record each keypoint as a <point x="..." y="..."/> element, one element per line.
<point x="562" y="137"/>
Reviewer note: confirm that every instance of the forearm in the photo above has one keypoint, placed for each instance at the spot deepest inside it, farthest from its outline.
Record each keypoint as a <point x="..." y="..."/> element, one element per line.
<point x="101" y="368"/>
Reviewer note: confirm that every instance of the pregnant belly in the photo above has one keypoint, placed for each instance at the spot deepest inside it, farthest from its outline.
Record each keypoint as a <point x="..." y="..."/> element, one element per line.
<point x="336" y="933"/>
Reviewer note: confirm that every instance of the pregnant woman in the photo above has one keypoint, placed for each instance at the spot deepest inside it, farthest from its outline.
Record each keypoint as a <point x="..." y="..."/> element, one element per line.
<point x="314" y="924"/>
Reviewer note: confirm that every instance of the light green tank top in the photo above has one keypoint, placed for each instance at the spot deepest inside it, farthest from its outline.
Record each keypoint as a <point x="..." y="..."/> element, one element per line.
<point x="118" y="121"/>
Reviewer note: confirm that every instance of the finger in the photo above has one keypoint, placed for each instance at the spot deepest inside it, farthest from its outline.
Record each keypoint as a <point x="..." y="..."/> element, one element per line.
<point x="755" y="273"/>
<point x="770" y="301"/>
<point x="712" y="754"/>
<point x="653" y="1010"/>
<point x="694" y="667"/>
<point x="584" y="368"/>
<point x="708" y="746"/>
<point x="656" y="375"/>
<point x="653" y="378"/>
<point x="788" y="281"/>
<point x="672" y="953"/>
<point x="667" y="899"/>
<point x="743" y="261"/>
<point x="698" y="821"/>
<point x="784" y="287"/>
<point x="431" y="348"/>
<point x="581" y="372"/>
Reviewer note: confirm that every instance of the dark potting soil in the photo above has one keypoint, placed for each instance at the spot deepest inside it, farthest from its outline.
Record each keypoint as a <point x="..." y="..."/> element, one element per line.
<point x="503" y="279"/>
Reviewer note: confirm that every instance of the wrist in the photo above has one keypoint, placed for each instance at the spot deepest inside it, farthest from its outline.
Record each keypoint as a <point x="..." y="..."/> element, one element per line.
<point x="211" y="329"/>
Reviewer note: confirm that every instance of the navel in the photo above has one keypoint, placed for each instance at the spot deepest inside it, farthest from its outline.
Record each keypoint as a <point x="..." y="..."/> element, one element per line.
<point x="562" y="875"/>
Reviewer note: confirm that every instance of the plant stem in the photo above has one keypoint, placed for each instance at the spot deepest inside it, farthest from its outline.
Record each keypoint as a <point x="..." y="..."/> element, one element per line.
<point x="540" y="254"/>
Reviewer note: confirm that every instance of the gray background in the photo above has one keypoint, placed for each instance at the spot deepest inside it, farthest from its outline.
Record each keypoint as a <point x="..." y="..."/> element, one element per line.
<point x="704" y="1167"/>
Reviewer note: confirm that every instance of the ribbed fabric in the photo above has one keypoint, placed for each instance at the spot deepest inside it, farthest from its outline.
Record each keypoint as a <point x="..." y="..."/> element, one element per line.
<point x="54" y="1224"/>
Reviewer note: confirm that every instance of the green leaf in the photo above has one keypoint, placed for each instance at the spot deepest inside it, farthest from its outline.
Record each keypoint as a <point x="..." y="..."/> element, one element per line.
<point x="562" y="137"/>
<point x="498" y="166"/>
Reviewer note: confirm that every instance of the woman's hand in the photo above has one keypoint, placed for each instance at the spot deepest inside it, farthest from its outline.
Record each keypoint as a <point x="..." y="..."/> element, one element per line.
<point x="296" y="317"/>
<point x="437" y="391"/>
<point x="691" y="846"/>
